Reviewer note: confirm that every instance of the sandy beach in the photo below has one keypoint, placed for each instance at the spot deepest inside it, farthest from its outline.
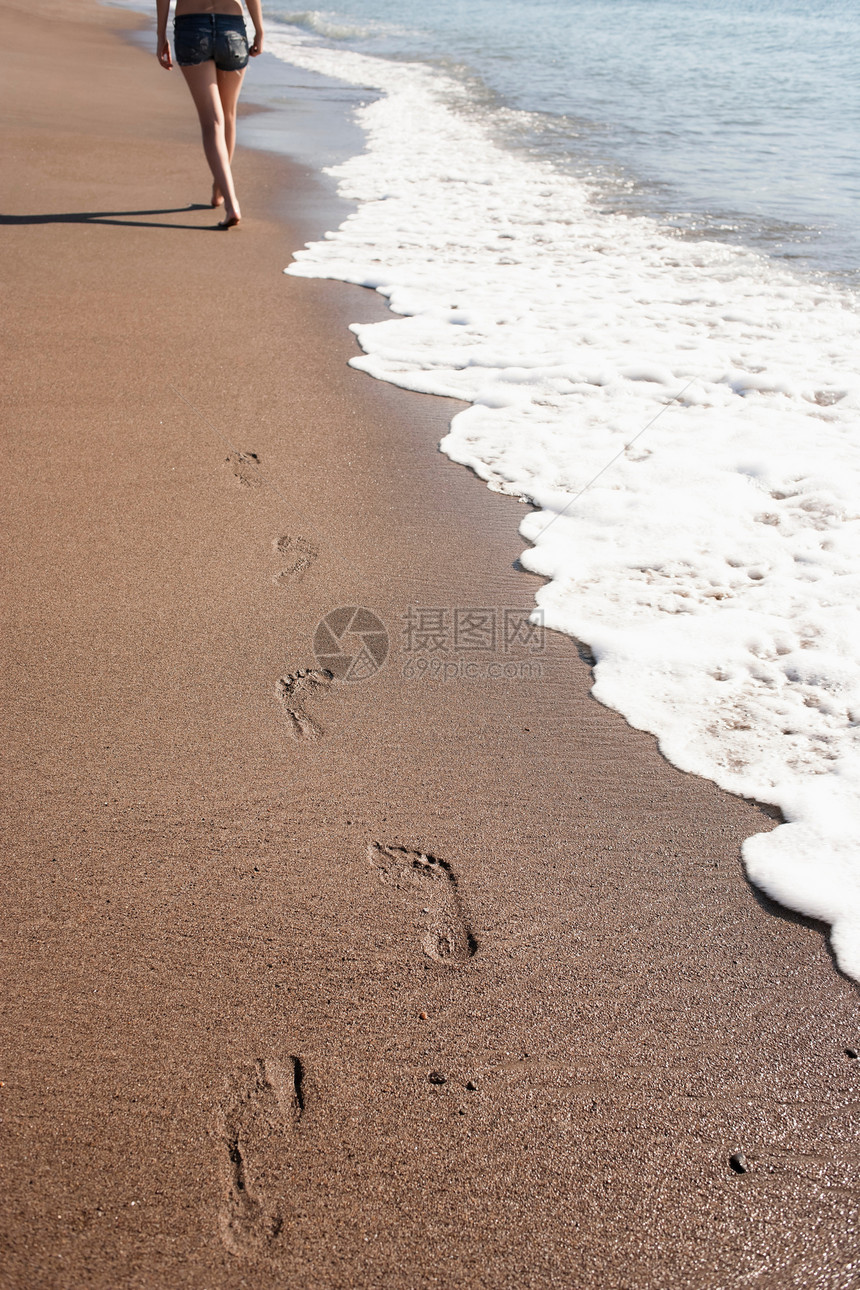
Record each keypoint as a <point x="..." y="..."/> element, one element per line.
<point x="427" y="979"/>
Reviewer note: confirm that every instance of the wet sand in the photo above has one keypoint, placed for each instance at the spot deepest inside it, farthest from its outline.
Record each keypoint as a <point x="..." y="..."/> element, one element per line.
<point x="395" y="982"/>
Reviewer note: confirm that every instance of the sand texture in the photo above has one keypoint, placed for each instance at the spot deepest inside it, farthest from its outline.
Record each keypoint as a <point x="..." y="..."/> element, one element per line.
<point x="391" y="982"/>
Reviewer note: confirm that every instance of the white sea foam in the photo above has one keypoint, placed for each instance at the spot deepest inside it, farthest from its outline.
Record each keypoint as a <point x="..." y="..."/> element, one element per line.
<point x="684" y="417"/>
<point x="323" y="23"/>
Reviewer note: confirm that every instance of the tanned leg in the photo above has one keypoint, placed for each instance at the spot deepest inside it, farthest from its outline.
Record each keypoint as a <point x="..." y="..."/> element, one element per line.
<point x="202" y="81"/>
<point x="229" y="85"/>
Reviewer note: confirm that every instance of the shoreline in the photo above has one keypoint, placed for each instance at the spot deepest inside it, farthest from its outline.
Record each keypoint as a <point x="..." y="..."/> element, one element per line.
<point x="692" y="599"/>
<point x="212" y="944"/>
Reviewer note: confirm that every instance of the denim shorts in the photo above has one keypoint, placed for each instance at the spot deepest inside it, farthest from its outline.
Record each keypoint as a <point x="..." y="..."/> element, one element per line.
<point x="197" y="37"/>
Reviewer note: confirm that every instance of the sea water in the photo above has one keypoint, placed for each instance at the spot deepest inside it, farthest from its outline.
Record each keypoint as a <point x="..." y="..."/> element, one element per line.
<point x="625" y="233"/>
<point x="733" y="119"/>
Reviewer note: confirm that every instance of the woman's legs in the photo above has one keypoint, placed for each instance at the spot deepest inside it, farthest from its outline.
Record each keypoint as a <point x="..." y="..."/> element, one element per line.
<point x="204" y="82"/>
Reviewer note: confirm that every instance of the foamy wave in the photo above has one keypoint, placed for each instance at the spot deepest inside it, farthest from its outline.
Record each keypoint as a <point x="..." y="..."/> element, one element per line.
<point x="323" y="23"/>
<point x="683" y="415"/>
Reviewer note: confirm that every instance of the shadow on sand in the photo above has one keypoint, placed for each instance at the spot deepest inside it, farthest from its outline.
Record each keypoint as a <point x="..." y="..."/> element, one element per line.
<point x="128" y="219"/>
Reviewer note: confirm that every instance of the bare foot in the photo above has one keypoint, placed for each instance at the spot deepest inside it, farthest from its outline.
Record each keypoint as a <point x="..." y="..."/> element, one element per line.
<point x="217" y="199"/>
<point x="230" y="221"/>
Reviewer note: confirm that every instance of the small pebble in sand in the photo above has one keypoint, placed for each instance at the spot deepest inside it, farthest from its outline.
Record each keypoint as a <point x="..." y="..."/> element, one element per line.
<point x="852" y="1052"/>
<point x="422" y="1016"/>
<point x="436" y="1077"/>
<point x="738" y="1163"/>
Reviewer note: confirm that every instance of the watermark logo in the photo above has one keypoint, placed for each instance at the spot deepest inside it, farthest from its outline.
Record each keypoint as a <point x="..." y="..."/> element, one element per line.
<point x="438" y="631"/>
<point x="472" y="643"/>
<point x="440" y="643"/>
<point x="351" y="643"/>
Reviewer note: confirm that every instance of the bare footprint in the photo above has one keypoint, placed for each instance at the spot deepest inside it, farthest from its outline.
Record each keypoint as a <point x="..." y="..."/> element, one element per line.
<point x="246" y="467"/>
<point x="299" y="553"/>
<point x="432" y="886"/>
<point x="262" y="1104"/>
<point x="293" y="690"/>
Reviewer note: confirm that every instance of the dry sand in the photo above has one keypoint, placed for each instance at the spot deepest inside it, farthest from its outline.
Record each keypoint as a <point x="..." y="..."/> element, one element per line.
<point x="225" y="986"/>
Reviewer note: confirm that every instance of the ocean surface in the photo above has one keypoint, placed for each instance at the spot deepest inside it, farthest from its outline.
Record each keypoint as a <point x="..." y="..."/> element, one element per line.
<point x="625" y="233"/>
<point x="731" y="119"/>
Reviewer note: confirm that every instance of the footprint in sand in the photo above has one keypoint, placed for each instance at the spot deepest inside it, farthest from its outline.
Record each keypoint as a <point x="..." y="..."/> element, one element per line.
<point x="246" y="467"/>
<point x="431" y="885"/>
<point x="263" y="1103"/>
<point x="299" y="553"/>
<point x="293" y="690"/>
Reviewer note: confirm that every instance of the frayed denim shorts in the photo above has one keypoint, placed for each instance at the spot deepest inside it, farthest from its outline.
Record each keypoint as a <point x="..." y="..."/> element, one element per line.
<point x="197" y="37"/>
